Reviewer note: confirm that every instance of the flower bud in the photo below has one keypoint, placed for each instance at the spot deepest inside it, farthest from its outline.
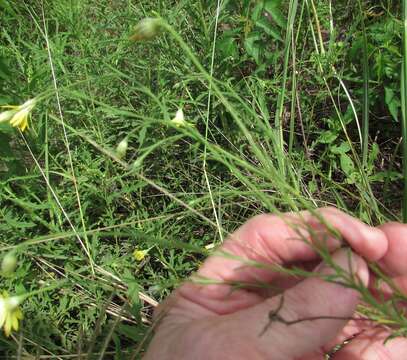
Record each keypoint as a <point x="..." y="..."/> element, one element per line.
<point x="179" y="120"/>
<point x="122" y="148"/>
<point x="138" y="163"/>
<point x="9" y="264"/>
<point x="146" y="29"/>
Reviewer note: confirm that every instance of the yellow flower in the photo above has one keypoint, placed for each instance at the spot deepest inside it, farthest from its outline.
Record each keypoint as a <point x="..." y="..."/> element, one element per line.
<point x="10" y="313"/>
<point x="140" y="254"/>
<point x="179" y="120"/>
<point x="17" y="115"/>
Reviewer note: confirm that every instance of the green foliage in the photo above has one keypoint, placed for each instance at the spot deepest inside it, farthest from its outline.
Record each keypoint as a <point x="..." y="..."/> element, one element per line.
<point x="384" y="42"/>
<point x="253" y="31"/>
<point x="154" y="197"/>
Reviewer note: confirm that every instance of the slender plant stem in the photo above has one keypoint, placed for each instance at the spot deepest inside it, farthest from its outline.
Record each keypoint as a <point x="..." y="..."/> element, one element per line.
<point x="404" y="109"/>
<point x="366" y="104"/>
<point x="208" y="113"/>
<point x="281" y="98"/>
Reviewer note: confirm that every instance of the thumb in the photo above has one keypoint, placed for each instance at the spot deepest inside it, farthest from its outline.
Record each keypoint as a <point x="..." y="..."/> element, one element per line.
<point x="311" y="298"/>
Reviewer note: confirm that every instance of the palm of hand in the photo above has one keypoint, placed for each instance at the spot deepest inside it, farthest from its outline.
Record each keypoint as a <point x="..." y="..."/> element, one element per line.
<point x="220" y="321"/>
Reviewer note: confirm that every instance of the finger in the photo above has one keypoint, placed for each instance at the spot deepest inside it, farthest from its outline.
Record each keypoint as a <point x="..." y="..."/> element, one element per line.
<point x="366" y="242"/>
<point x="352" y="328"/>
<point x="393" y="261"/>
<point x="273" y="240"/>
<point x="370" y="345"/>
<point x="384" y="289"/>
<point x="309" y="299"/>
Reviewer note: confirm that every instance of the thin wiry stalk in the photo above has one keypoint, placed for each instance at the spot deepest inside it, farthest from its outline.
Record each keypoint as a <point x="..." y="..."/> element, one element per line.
<point x="280" y="106"/>
<point x="366" y="104"/>
<point x="70" y="160"/>
<point x="404" y="109"/>
<point x="208" y="112"/>
<point x="293" y="96"/>
<point x="68" y="219"/>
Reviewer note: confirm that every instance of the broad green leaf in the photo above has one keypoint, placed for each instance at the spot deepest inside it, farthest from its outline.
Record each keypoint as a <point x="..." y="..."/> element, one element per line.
<point x="131" y="332"/>
<point x="273" y="7"/>
<point x="392" y="102"/>
<point x="133" y="291"/>
<point x="374" y="152"/>
<point x="227" y="45"/>
<point x="5" y="5"/>
<point x="257" y="11"/>
<point x="385" y="175"/>
<point x="253" y="46"/>
<point x="341" y="149"/>
<point x="347" y="165"/>
<point x="327" y="137"/>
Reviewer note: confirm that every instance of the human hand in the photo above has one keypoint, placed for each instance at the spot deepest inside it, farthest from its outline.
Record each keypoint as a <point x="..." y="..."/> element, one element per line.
<point x="217" y="321"/>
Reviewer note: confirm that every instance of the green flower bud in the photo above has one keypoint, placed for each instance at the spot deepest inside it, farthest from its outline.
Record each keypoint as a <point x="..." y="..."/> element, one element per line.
<point x="122" y="148"/>
<point x="9" y="264"/>
<point x="146" y="29"/>
<point x="137" y="164"/>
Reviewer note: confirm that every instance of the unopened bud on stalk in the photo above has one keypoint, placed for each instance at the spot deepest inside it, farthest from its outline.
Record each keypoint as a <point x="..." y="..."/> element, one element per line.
<point x="122" y="148"/>
<point x="9" y="264"/>
<point x="146" y="29"/>
<point x="179" y="120"/>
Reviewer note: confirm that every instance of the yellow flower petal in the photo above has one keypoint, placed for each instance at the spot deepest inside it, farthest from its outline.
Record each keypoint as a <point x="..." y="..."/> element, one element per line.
<point x="140" y="254"/>
<point x="7" y="326"/>
<point x="14" y="321"/>
<point x="3" y="312"/>
<point x="20" y="119"/>
<point x="19" y="314"/>
<point x="10" y="313"/>
<point x="24" y="124"/>
<point x="17" y="118"/>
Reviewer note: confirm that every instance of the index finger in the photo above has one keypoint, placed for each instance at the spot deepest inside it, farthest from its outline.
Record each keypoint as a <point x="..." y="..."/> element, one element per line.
<point x="276" y="240"/>
<point x="279" y="240"/>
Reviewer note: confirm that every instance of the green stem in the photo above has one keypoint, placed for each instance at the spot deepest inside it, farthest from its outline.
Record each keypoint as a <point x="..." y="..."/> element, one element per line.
<point x="404" y="109"/>
<point x="281" y="98"/>
<point x="263" y="159"/>
<point x="366" y="104"/>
